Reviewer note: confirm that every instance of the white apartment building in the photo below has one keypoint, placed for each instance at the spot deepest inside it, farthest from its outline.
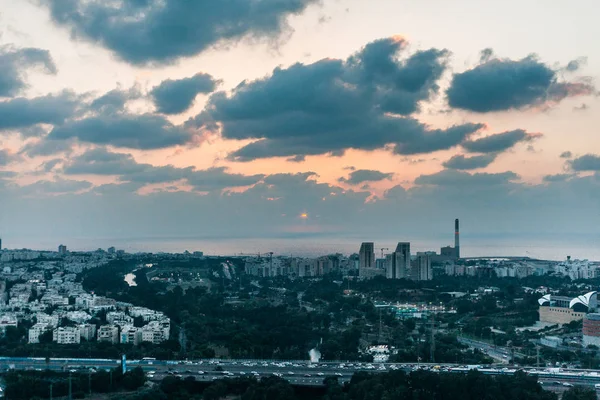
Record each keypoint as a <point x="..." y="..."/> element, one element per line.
<point x="87" y="331"/>
<point x="108" y="333"/>
<point x="36" y="330"/>
<point x="66" y="335"/>
<point x="155" y="332"/>
<point x="130" y="334"/>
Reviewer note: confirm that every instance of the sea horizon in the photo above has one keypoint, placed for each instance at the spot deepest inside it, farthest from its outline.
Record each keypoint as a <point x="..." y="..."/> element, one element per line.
<point x="551" y="247"/>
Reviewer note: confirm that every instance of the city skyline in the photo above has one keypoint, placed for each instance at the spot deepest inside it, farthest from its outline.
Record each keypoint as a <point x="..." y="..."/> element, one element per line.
<point x="310" y="119"/>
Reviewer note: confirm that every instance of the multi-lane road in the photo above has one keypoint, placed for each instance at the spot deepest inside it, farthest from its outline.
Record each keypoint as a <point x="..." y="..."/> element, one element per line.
<point x="296" y="372"/>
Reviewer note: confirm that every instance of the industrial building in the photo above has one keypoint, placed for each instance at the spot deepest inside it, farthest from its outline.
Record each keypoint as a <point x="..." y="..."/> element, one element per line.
<point x="562" y="309"/>
<point x="591" y="329"/>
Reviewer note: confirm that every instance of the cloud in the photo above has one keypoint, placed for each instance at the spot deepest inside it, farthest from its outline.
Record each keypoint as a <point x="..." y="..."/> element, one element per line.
<point x="136" y="131"/>
<point x="15" y="62"/>
<point x="503" y="84"/>
<point x="566" y="154"/>
<point x="329" y="106"/>
<point x="588" y="162"/>
<point x="7" y="157"/>
<point x="575" y="65"/>
<point x="177" y="96"/>
<point x="161" y="31"/>
<point x="114" y="100"/>
<point x="365" y="175"/>
<point x="499" y="142"/>
<point x="464" y="163"/>
<point x="58" y="186"/>
<point x="557" y="178"/>
<point x="99" y="161"/>
<point x="51" y="109"/>
<point x="464" y="179"/>
<point x="46" y="147"/>
<point x="297" y="159"/>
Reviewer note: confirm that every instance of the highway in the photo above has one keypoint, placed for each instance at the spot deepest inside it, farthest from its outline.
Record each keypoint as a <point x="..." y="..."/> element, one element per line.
<point x="296" y="372"/>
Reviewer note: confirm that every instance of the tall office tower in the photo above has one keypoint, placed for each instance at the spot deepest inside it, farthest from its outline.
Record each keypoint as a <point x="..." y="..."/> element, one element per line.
<point x="402" y="256"/>
<point x="366" y="257"/>
<point x="421" y="268"/>
<point x="62" y="249"/>
<point x="456" y="238"/>
<point x="0" y="243"/>
<point x="390" y="266"/>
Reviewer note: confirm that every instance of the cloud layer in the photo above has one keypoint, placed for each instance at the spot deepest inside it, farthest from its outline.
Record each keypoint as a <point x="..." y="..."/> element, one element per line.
<point x="15" y="62"/>
<point x="364" y="102"/>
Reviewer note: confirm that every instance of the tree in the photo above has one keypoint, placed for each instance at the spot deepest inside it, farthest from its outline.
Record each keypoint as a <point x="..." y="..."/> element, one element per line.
<point x="579" y="393"/>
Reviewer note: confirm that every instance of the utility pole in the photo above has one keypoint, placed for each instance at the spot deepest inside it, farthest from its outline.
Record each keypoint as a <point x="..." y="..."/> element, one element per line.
<point x="111" y="371"/>
<point x="50" y="390"/>
<point x="379" y="340"/>
<point x="432" y="349"/>
<point x="537" y="349"/>
<point x="70" y="388"/>
<point x="90" y="382"/>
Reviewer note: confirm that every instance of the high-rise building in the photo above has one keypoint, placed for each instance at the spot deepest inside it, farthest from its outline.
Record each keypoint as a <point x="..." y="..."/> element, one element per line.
<point x="62" y="249"/>
<point x="111" y="250"/>
<point x="366" y="255"/>
<point x="0" y="244"/>
<point x="421" y="268"/>
<point x="397" y="265"/>
<point x="456" y="238"/>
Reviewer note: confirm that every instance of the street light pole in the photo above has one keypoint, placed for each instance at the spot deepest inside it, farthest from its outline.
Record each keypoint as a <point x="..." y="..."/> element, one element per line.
<point x="70" y="388"/>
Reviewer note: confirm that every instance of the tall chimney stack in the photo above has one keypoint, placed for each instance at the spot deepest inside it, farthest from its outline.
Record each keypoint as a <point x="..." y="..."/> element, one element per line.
<point x="456" y="238"/>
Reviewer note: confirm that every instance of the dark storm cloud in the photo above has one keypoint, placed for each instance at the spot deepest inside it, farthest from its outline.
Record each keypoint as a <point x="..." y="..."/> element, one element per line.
<point x="177" y="96"/>
<point x="458" y="178"/>
<point x="15" y="62"/>
<point x="499" y="142"/>
<point x="161" y="31"/>
<point x="332" y="105"/>
<point x="464" y="163"/>
<point x="502" y="84"/>
<point x="365" y="175"/>
<point x="51" y="109"/>
<point x="102" y="162"/>
<point x="142" y="131"/>
<point x="588" y="162"/>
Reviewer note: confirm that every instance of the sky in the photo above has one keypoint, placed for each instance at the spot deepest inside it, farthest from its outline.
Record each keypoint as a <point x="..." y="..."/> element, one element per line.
<point x="298" y="118"/>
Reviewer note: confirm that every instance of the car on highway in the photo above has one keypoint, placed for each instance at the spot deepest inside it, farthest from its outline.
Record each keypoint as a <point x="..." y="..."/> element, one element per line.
<point x="200" y="372"/>
<point x="567" y="384"/>
<point x="320" y="374"/>
<point x="307" y="375"/>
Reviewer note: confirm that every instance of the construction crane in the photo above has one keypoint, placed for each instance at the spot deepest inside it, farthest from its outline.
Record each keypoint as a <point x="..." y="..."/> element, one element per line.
<point x="382" y="249"/>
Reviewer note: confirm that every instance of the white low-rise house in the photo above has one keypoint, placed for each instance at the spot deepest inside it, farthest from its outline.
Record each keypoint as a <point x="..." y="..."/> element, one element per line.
<point x="84" y="301"/>
<point x="130" y="334"/>
<point x="119" y="318"/>
<point x="87" y="331"/>
<point x="66" y="335"/>
<point x="55" y="299"/>
<point x="78" y="316"/>
<point x="146" y="313"/>
<point x="7" y="320"/>
<point x="36" y="330"/>
<point x="108" y="333"/>
<point x="43" y="318"/>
